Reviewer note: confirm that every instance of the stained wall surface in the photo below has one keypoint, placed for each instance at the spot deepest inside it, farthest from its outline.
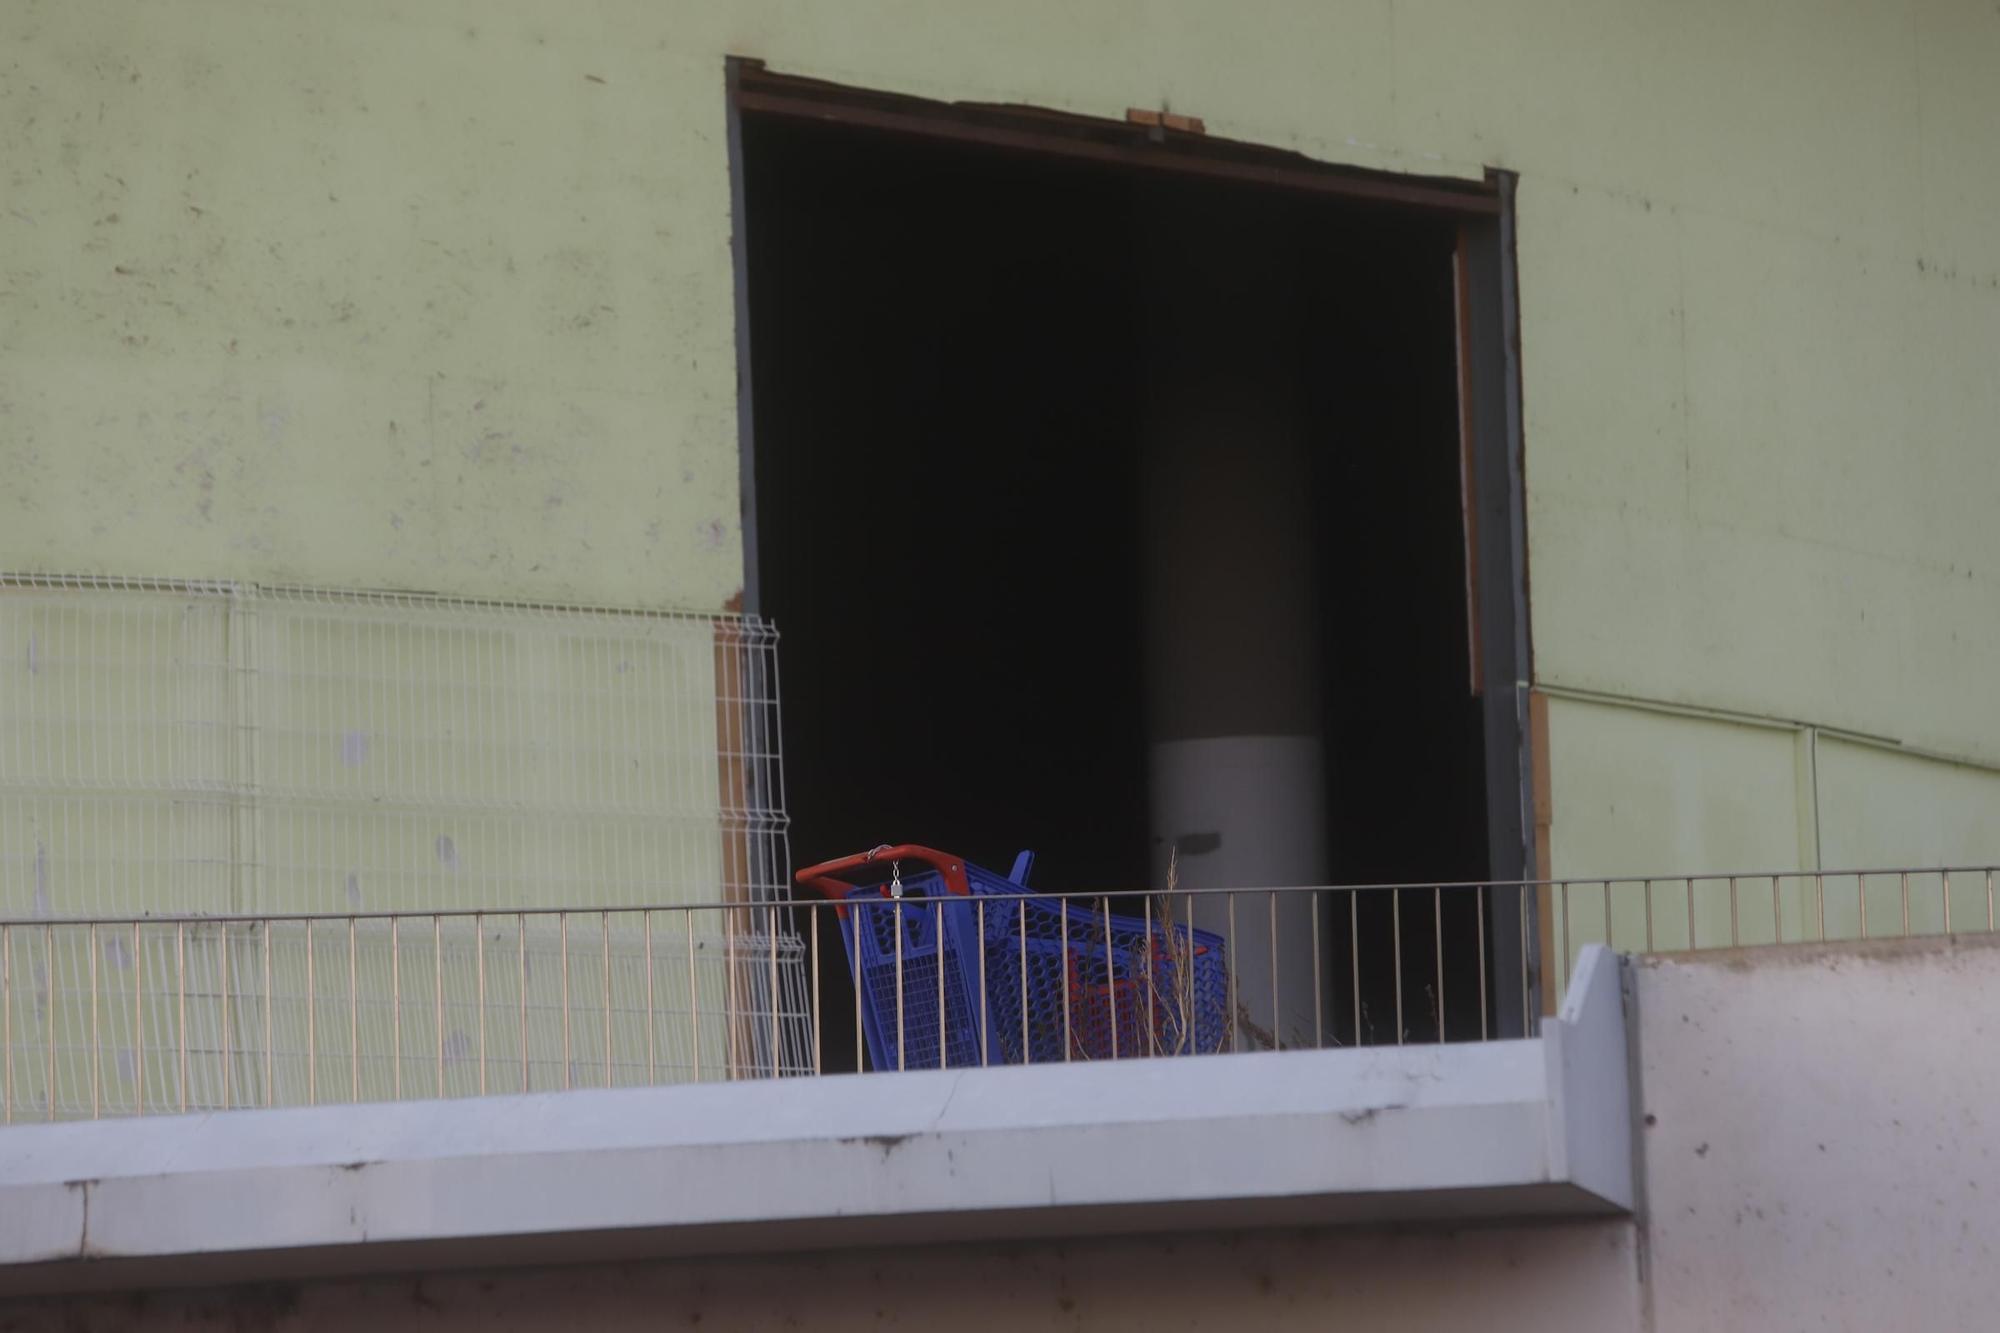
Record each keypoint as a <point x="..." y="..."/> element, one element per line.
<point x="439" y="296"/>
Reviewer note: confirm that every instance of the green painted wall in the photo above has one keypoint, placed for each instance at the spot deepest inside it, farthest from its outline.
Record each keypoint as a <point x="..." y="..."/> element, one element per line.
<point x="1642" y="791"/>
<point x="438" y="295"/>
<point x="373" y="295"/>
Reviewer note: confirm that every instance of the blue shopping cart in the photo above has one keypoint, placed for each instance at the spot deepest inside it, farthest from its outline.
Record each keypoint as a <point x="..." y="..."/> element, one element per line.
<point x="955" y="965"/>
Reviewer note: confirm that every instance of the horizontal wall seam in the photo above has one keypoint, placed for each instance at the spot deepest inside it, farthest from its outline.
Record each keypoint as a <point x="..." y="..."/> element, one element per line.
<point x="1767" y="721"/>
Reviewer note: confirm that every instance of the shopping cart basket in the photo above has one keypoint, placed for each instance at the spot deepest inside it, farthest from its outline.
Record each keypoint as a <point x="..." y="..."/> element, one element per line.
<point x="1056" y="979"/>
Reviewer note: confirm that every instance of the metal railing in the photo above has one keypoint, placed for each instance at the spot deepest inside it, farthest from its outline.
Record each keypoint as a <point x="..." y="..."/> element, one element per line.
<point x="106" y="1017"/>
<point x="1677" y="914"/>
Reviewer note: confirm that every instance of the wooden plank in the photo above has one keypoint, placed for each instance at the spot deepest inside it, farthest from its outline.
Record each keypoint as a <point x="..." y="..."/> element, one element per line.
<point x="1538" y="761"/>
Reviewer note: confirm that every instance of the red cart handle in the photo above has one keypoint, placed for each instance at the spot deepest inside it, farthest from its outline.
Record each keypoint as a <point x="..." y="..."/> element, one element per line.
<point x="825" y="878"/>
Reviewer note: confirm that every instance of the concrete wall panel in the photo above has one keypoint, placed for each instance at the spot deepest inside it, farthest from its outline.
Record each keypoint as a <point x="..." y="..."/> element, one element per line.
<point x="1820" y="1143"/>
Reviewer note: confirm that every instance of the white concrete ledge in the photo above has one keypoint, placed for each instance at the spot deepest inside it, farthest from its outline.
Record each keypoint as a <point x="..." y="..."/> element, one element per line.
<point x="1518" y="1128"/>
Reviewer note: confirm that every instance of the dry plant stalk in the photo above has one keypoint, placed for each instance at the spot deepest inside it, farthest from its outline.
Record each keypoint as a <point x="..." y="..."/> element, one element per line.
<point x="1173" y="955"/>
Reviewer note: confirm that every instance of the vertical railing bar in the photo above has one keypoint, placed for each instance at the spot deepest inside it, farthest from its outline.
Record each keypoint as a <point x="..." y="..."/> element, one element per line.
<point x="815" y="1015"/>
<point x="1609" y="942"/>
<point x="562" y="930"/>
<point x="652" y="1031"/>
<point x="521" y="952"/>
<point x="270" y="1026"/>
<point x="1021" y="910"/>
<point x="479" y="967"/>
<point x="1277" y="1039"/>
<point x="732" y="1009"/>
<point x="1152" y="982"/>
<point x="1396" y="932"/>
<point x="181" y="1004"/>
<point x="1110" y="975"/>
<point x="1819" y="903"/>
<point x="937" y="944"/>
<point x="1649" y="916"/>
<point x="854" y="962"/>
<point x="1185" y="948"/>
<point x="7" y="1012"/>
<point x="312" y="1021"/>
<point x="694" y="996"/>
<point x="479" y="971"/>
<point x="1437" y="928"/>
<point x="1529" y="982"/>
<point x="1235" y="1003"/>
<point x="396" y="1007"/>
<point x="1562" y="964"/>
<point x="771" y="926"/>
<point x="96" y="1101"/>
<point x="1905" y="877"/>
<point x="437" y="980"/>
<point x="1689" y="883"/>
<point x="228" y="1054"/>
<point x="1354" y="955"/>
<point x="1479" y="907"/>
<point x="1777" y="912"/>
<point x="1861" y="899"/>
<point x="1735" y="931"/>
<point x="1944" y="886"/>
<point x="604" y="990"/>
<point x="1062" y="910"/>
<point x="138" y="1024"/>
<point x="353" y="1020"/>
<point x="1319" y="999"/>
<point x="49" y="971"/>
<point x="896" y="919"/>
<point x="1989" y="900"/>
<point x="7" y="1017"/>
<point x="985" y="1020"/>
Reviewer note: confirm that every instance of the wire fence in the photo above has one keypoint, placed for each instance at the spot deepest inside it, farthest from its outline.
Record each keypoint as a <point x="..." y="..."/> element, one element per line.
<point x="171" y="747"/>
<point x="245" y="785"/>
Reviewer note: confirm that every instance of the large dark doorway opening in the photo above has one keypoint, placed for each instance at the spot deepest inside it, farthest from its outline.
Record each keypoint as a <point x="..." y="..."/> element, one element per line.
<point x="953" y="356"/>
